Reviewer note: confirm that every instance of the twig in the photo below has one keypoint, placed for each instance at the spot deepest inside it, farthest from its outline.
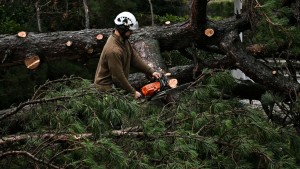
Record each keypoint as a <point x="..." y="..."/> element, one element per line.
<point x="22" y="105"/>
<point x="25" y="153"/>
<point x="53" y="81"/>
<point x="62" y="152"/>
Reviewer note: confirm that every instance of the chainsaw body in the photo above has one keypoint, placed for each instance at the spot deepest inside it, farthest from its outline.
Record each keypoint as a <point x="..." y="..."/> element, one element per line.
<point x="151" y="89"/>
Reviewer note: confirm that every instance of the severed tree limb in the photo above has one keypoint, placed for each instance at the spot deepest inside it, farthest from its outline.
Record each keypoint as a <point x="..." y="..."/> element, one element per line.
<point x="254" y="68"/>
<point x="60" y="137"/>
<point x="63" y="137"/>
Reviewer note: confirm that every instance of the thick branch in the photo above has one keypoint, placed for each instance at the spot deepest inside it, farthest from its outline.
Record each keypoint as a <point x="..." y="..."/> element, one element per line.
<point x="255" y="69"/>
<point x="53" y="136"/>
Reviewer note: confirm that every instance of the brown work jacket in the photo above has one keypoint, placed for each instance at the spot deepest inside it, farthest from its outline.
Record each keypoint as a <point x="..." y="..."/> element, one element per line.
<point x="115" y="63"/>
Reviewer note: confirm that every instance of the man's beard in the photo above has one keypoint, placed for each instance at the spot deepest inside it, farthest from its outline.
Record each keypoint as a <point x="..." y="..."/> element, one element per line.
<point x="125" y="37"/>
<point x="122" y="30"/>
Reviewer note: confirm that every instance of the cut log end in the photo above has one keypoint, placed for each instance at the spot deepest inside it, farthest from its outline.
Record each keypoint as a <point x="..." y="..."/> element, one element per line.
<point x="209" y="32"/>
<point x="32" y="61"/>
<point x="173" y="83"/>
<point x="69" y="43"/>
<point x="22" y="34"/>
<point x="99" y="37"/>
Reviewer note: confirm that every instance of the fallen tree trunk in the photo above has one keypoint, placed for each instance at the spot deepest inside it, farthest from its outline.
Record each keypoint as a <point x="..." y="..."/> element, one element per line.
<point x="86" y="43"/>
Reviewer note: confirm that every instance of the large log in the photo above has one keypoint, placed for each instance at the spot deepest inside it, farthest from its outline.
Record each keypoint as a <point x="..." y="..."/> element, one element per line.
<point x="86" y="44"/>
<point x="150" y="52"/>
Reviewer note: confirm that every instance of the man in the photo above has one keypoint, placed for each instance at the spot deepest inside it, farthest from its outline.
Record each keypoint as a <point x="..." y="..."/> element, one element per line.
<point x="118" y="57"/>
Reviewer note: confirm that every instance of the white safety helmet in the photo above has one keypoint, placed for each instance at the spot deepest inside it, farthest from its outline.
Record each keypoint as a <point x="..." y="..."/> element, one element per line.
<point x="127" y="19"/>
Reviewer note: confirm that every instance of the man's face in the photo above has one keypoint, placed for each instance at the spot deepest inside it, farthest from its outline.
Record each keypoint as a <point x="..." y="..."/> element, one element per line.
<point x="128" y="34"/>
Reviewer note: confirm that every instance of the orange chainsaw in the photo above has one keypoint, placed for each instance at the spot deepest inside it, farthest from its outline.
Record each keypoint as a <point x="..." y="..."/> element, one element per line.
<point x="163" y="84"/>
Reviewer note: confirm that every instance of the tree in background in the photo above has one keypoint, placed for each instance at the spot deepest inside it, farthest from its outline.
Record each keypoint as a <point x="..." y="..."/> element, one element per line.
<point x="68" y="15"/>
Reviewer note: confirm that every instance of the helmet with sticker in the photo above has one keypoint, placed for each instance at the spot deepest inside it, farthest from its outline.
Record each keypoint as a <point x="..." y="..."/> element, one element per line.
<point x="127" y="19"/>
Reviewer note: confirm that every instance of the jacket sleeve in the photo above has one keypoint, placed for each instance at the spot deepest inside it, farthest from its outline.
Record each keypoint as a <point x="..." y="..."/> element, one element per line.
<point x="117" y="73"/>
<point x="139" y="64"/>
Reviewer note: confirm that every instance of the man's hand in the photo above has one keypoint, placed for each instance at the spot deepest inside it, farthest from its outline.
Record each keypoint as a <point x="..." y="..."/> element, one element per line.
<point x="137" y="95"/>
<point x="156" y="75"/>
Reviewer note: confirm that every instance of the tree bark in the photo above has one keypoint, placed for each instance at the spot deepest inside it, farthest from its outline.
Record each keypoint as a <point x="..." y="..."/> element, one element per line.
<point x="86" y="12"/>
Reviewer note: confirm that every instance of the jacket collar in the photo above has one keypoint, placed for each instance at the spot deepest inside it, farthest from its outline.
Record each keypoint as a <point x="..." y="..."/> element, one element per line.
<point x="118" y="38"/>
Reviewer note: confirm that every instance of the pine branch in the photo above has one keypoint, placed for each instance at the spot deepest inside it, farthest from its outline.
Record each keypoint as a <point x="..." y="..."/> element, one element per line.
<point x="25" y="153"/>
<point x="63" y="152"/>
<point x="34" y="97"/>
<point x="10" y="112"/>
<point x="60" y="137"/>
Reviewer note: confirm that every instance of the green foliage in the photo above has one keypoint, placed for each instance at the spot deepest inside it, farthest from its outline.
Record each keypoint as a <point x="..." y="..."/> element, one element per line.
<point x="60" y="68"/>
<point x="104" y="12"/>
<point x="276" y="24"/>
<point x="171" y="18"/>
<point x="215" y="86"/>
<point x="14" y="18"/>
<point x="218" y="10"/>
<point x="69" y="15"/>
<point x="277" y="107"/>
<point x="17" y="84"/>
<point x="174" y="58"/>
<point x="270" y="98"/>
<point x="191" y="133"/>
<point x="9" y="26"/>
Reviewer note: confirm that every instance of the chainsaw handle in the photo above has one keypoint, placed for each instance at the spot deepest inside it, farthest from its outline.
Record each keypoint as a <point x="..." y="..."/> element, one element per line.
<point x="156" y="75"/>
<point x="163" y="80"/>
